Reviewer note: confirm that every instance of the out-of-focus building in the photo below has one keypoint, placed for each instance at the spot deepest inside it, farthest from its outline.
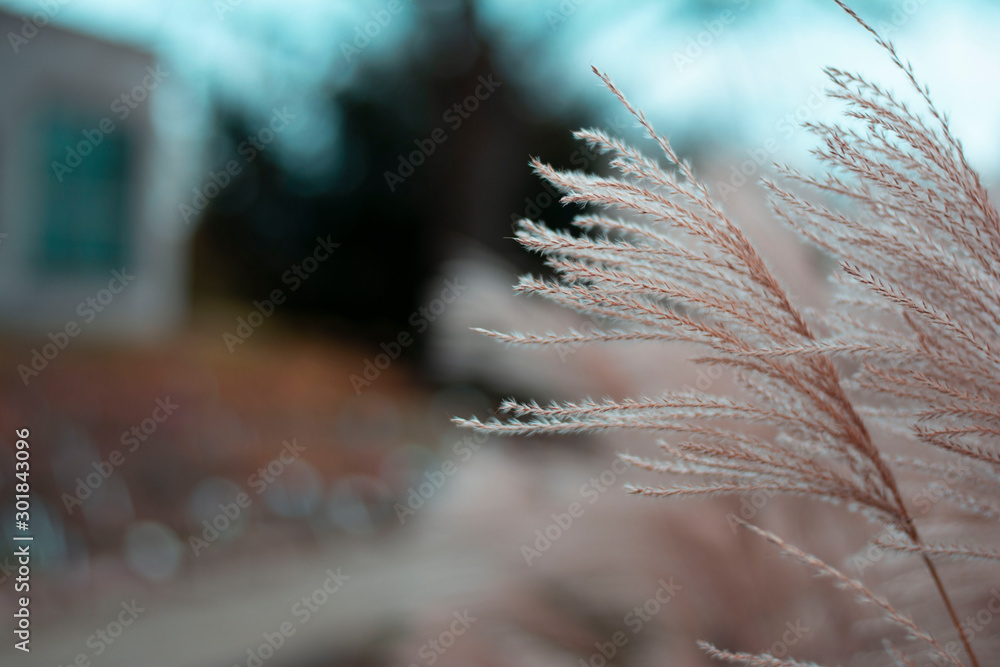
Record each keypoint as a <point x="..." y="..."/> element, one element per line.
<point x="91" y="235"/>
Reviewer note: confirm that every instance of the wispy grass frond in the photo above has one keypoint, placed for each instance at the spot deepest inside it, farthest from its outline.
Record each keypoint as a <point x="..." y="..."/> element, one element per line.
<point x="751" y="659"/>
<point x="917" y="240"/>
<point x="864" y="594"/>
<point x="947" y="551"/>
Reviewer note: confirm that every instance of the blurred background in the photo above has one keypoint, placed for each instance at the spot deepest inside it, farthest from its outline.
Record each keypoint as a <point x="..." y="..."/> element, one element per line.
<point x="242" y="243"/>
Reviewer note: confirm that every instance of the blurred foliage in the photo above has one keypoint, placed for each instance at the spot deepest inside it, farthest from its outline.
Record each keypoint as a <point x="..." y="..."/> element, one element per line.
<point x="393" y="241"/>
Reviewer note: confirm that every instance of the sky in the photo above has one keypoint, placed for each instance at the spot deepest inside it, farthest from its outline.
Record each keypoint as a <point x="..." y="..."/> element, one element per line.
<point x="730" y="69"/>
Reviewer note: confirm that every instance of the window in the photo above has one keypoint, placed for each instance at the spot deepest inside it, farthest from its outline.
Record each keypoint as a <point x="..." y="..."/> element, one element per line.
<point x="84" y="226"/>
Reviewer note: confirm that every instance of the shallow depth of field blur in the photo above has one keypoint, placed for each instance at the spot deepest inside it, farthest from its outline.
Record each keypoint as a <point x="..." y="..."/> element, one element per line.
<point x="242" y="244"/>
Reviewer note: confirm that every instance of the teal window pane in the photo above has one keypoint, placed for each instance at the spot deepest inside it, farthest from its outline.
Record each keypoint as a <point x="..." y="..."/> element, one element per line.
<point x="84" y="227"/>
